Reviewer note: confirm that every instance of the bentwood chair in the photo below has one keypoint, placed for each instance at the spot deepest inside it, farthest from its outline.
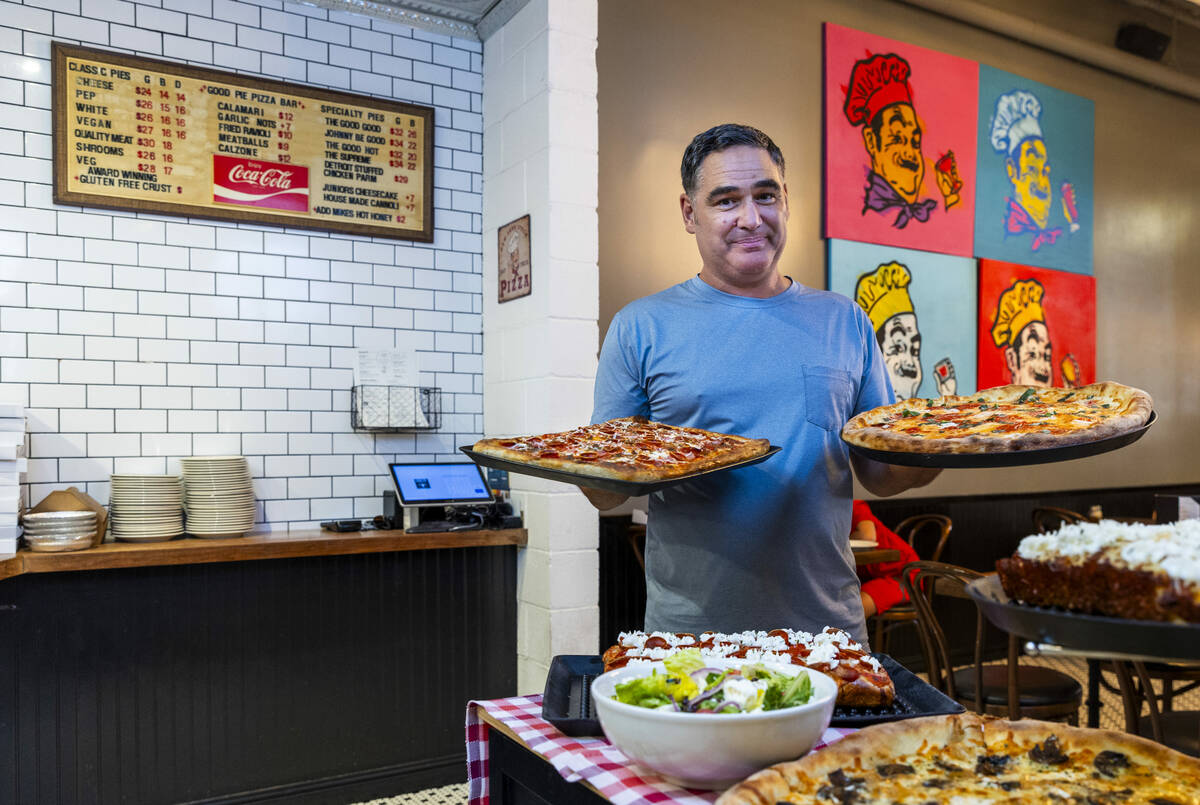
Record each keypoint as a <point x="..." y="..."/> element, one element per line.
<point x="1174" y="728"/>
<point x="1012" y="690"/>
<point x="1049" y="518"/>
<point x="932" y="529"/>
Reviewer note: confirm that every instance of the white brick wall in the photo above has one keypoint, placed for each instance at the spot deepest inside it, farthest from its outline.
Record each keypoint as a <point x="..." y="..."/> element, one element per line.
<point x="540" y="362"/>
<point x="138" y="339"/>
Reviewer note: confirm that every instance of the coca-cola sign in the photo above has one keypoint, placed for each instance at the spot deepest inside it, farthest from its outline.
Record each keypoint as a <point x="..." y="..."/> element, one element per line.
<point x="254" y="183"/>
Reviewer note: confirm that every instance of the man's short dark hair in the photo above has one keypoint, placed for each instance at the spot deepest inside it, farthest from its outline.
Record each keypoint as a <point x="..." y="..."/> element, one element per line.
<point x="718" y="138"/>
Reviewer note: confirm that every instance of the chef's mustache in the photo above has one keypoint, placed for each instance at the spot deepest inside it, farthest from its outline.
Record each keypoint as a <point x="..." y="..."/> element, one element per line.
<point x="906" y="370"/>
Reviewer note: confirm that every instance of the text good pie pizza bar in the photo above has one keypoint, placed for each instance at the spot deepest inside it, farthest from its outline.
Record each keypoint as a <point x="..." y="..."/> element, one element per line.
<point x="150" y="135"/>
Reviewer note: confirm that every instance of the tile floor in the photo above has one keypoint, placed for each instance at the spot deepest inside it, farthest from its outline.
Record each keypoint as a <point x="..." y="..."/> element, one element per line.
<point x="1111" y="717"/>
<point x="446" y="795"/>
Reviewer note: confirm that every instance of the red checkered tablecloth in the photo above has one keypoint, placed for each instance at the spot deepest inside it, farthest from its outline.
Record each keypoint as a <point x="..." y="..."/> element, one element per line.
<point x="594" y="760"/>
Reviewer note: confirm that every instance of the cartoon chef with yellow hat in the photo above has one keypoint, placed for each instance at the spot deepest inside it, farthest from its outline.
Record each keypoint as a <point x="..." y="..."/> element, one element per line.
<point x="1020" y="330"/>
<point x="883" y="294"/>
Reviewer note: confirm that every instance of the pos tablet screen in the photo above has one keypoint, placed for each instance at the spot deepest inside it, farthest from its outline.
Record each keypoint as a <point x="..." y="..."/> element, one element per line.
<point x="440" y="484"/>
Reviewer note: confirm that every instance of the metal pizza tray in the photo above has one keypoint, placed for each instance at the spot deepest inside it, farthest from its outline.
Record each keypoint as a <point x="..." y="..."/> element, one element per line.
<point x="1076" y="630"/>
<point x="630" y="488"/>
<point x="1014" y="458"/>
<point x="567" y="702"/>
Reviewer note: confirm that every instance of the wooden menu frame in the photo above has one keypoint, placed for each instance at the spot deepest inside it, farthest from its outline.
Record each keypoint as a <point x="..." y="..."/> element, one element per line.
<point x="230" y="120"/>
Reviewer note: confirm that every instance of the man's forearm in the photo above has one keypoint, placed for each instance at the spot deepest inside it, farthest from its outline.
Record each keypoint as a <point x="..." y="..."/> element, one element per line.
<point x="601" y="499"/>
<point x="885" y="480"/>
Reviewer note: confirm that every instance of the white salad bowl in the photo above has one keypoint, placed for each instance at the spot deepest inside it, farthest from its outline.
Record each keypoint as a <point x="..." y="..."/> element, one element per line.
<point x="711" y="750"/>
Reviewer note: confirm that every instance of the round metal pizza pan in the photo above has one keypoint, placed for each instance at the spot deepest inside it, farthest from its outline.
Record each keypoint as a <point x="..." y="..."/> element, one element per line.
<point x="1015" y="458"/>
<point x="630" y="488"/>
<point x="1099" y="633"/>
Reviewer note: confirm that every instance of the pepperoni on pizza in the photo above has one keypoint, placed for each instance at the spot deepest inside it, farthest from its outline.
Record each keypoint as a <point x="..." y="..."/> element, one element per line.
<point x="627" y="449"/>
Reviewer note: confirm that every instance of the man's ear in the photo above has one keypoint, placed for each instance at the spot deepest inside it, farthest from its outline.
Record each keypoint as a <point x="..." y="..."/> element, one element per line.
<point x="1010" y="360"/>
<point x="1011" y="169"/>
<point x="688" y="212"/>
<point x="870" y="141"/>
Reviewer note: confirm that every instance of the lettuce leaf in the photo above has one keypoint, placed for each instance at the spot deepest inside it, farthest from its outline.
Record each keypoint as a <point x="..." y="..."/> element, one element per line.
<point x="784" y="691"/>
<point x="647" y="691"/>
<point x="684" y="662"/>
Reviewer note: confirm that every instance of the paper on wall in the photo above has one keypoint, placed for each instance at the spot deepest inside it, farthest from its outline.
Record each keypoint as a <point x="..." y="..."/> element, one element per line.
<point x="389" y="396"/>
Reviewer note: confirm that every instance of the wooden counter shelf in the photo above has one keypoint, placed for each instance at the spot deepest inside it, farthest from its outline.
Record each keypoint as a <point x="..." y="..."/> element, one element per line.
<point x="273" y="545"/>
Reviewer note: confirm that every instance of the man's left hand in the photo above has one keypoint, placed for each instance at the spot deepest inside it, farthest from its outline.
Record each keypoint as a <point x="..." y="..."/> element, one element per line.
<point x="885" y="480"/>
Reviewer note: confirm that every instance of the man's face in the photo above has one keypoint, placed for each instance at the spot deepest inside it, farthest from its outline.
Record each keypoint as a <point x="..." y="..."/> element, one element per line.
<point x="901" y="345"/>
<point x="896" y="151"/>
<point x="1030" y="178"/>
<point x="738" y="213"/>
<point x="1028" y="359"/>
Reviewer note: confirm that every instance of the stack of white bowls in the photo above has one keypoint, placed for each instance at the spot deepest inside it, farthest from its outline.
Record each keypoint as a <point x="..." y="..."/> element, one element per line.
<point x="146" y="508"/>
<point x="219" y="497"/>
<point x="59" y="531"/>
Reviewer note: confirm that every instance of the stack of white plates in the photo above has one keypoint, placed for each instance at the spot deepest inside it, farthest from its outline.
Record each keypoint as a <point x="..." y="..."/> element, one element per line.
<point x="219" y="497"/>
<point x="59" y="531"/>
<point x="146" y="508"/>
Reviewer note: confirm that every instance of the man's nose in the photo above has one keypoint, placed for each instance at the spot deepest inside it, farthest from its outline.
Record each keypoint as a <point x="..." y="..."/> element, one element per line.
<point x="748" y="215"/>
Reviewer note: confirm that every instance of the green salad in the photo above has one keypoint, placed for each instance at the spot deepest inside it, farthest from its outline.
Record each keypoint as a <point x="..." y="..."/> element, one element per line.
<point x="690" y="686"/>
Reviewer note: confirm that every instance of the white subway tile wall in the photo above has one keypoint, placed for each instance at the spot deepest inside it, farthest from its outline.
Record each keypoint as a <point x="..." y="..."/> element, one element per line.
<point x="137" y="339"/>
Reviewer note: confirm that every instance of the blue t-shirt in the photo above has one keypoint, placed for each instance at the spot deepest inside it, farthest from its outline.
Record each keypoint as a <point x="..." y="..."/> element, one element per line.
<point x="765" y="546"/>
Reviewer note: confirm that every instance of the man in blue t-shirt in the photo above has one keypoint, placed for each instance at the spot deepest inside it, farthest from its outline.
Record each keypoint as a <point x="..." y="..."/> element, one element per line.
<point x="742" y="349"/>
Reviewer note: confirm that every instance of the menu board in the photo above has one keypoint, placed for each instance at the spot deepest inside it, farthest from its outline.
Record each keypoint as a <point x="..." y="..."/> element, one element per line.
<point x="143" y="134"/>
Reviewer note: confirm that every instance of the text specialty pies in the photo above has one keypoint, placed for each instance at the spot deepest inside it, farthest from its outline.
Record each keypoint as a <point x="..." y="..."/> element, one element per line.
<point x="627" y="449"/>
<point x="861" y="680"/>
<point x="968" y="758"/>
<point x="1002" y="419"/>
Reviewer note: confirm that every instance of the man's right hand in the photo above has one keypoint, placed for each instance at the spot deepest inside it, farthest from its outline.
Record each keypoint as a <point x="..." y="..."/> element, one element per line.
<point x="601" y="499"/>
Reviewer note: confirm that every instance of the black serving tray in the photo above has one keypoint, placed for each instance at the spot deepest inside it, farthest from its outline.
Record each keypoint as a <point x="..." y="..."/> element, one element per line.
<point x="1014" y="458"/>
<point x="567" y="699"/>
<point x="630" y="488"/>
<point x="1102" y="634"/>
<point x="567" y="702"/>
<point x="914" y="698"/>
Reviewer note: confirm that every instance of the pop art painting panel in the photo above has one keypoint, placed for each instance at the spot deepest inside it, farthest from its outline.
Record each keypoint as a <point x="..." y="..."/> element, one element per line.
<point x="922" y="306"/>
<point x="1037" y="326"/>
<point x="1034" y="201"/>
<point x="900" y="143"/>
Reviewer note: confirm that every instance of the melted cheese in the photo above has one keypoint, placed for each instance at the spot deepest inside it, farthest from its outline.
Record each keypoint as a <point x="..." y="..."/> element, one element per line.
<point x="1016" y="777"/>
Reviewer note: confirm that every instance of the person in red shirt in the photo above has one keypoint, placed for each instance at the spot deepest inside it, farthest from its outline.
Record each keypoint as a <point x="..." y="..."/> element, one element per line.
<point x="881" y="588"/>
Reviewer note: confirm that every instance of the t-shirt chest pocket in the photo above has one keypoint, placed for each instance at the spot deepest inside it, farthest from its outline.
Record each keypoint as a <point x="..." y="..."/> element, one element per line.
<point x="828" y="396"/>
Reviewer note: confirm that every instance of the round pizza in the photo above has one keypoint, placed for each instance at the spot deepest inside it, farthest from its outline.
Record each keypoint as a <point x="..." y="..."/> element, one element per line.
<point x="971" y="759"/>
<point x="628" y="449"/>
<point x="1002" y="419"/>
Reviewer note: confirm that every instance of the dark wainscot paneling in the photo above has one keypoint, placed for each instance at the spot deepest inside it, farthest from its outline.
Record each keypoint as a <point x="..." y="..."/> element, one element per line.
<point x="327" y="679"/>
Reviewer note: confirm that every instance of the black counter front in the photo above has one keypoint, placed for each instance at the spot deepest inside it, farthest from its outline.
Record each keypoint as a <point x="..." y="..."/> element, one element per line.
<point x="317" y="678"/>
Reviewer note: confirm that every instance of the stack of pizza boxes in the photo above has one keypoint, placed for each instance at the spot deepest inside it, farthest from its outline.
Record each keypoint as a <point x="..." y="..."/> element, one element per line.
<point x="12" y="474"/>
